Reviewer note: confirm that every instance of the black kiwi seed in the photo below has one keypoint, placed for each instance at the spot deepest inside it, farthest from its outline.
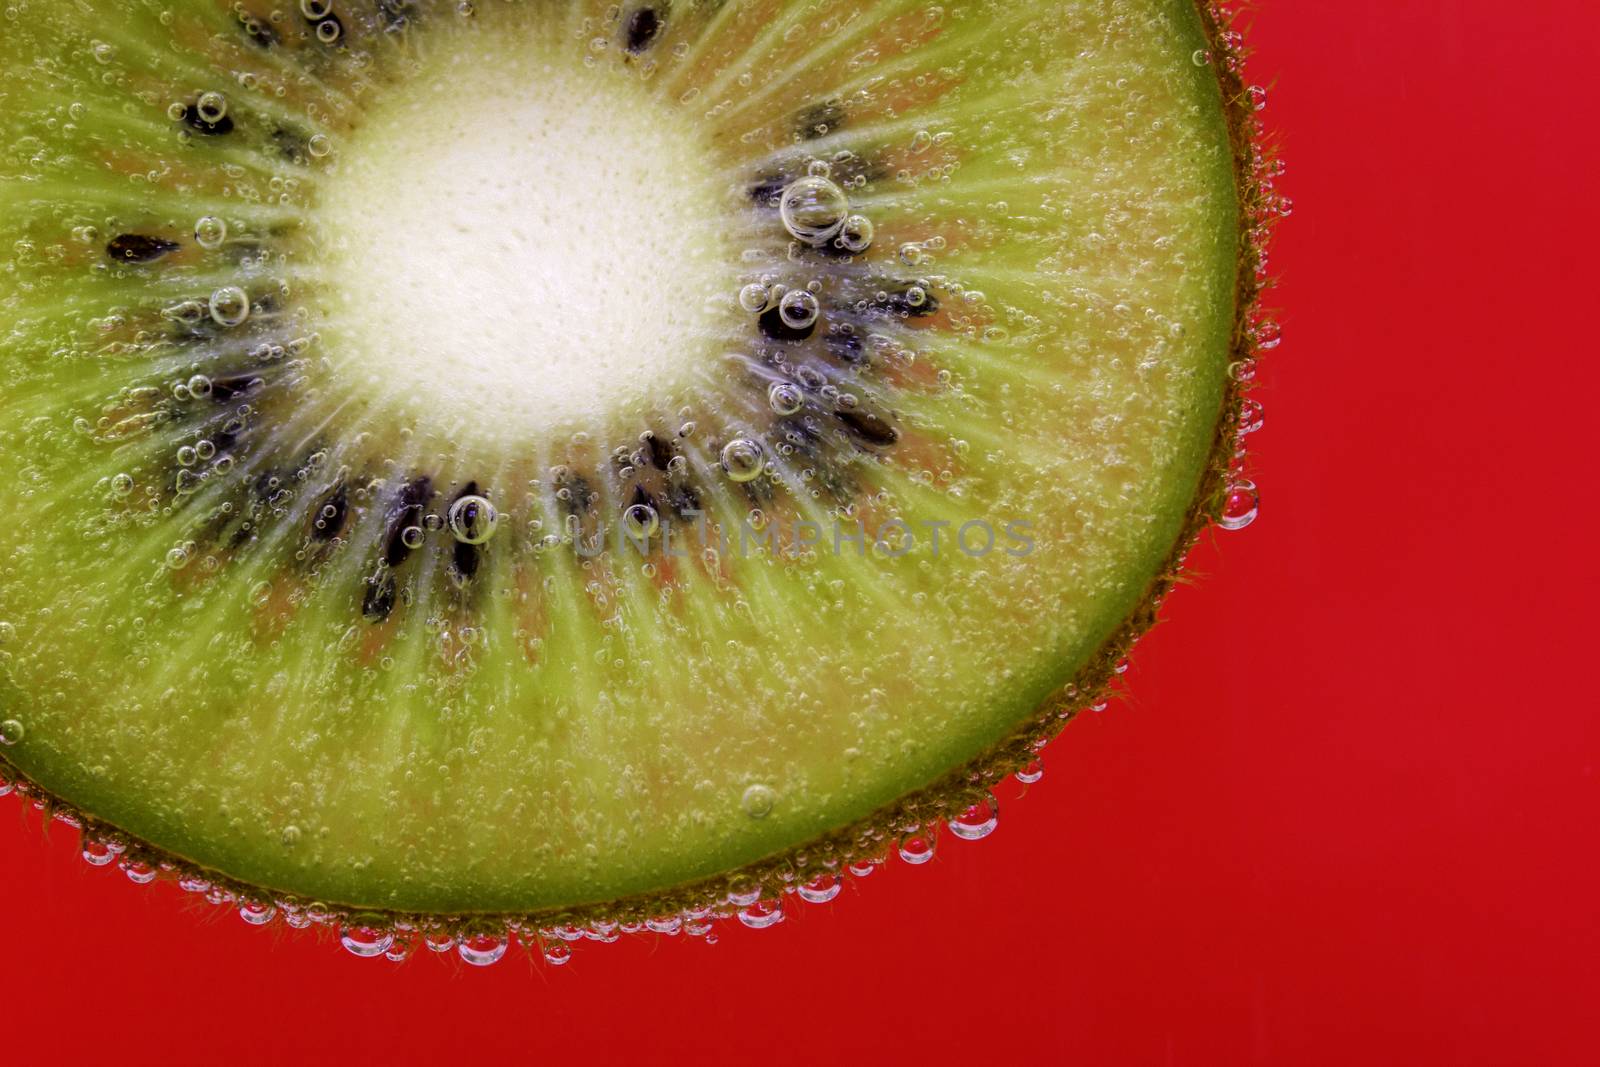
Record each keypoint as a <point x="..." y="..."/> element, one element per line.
<point x="866" y="427"/>
<point x="683" y="499"/>
<point x="378" y="602"/>
<point x="658" y="451"/>
<point x="644" y="25"/>
<point x="137" y="248"/>
<point x="395" y="14"/>
<point x="407" y="512"/>
<point x="225" y="389"/>
<point x="192" y="118"/>
<point x="819" y="120"/>
<point x="774" y="328"/>
<point x="261" y="34"/>
<point x="292" y="145"/>
<point x="325" y="526"/>
<point x="464" y="557"/>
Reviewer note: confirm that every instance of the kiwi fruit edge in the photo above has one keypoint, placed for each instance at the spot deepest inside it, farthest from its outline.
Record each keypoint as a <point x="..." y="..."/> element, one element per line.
<point x="1254" y="159"/>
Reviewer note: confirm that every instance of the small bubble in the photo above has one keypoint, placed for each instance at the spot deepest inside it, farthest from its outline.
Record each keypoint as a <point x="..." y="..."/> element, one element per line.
<point x="328" y="30"/>
<point x="761" y="914"/>
<point x="187" y="456"/>
<point x="742" y="459"/>
<point x="821" y="889"/>
<point x="316" y="9"/>
<point x="412" y="536"/>
<point x="473" y="520"/>
<point x="365" y="941"/>
<point x="640" y="521"/>
<point x="1241" y="506"/>
<point x="229" y="306"/>
<point x="212" y="107"/>
<point x="1031" y="773"/>
<point x="210" y="232"/>
<point x="977" y="822"/>
<point x="290" y="836"/>
<point x="98" y="853"/>
<point x="856" y="234"/>
<point x="813" y="209"/>
<point x="11" y="732"/>
<point x="177" y="558"/>
<point x="482" y="951"/>
<point x="439" y="942"/>
<point x="139" y="873"/>
<point x="799" y="308"/>
<point x="758" y="801"/>
<point x="1252" y="416"/>
<point x="319" y="145"/>
<point x="1200" y="57"/>
<point x="916" y="296"/>
<point x="785" y="398"/>
<point x="258" y="914"/>
<point x="558" y="954"/>
<point x="754" y="297"/>
<point x="917" y="848"/>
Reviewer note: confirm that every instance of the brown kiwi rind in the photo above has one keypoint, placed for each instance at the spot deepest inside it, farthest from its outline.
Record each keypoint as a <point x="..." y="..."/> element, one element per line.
<point x="1254" y="157"/>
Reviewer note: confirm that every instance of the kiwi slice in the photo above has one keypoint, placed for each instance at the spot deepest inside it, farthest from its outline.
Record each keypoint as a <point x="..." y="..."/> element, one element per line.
<point x="544" y="462"/>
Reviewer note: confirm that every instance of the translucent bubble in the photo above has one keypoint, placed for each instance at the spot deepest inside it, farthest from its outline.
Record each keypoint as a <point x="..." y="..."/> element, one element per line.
<point x="205" y="449"/>
<point x="11" y="732"/>
<point x="328" y="31"/>
<point x="482" y="951"/>
<point x="319" y="145"/>
<point x="212" y="107"/>
<point x="799" y="308"/>
<point x="1241" y="506"/>
<point x="917" y="848"/>
<point x="821" y="889"/>
<point x="365" y="941"/>
<point x="741" y="458"/>
<point x="210" y="232"/>
<point x="977" y="822"/>
<point x="439" y="942"/>
<point x="758" y="801"/>
<point x="473" y="520"/>
<point x="558" y="954"/>
<point x="177" y="558"/>
<point x="916" y="296"/>
<point x="856" y="234"/>
<point x="1252" y="416"/>
<point x="258" y="914"/>
<point x="1200" y="57"/>
<point x="1031" y="773"/>
<point x="139" y="873"/>
<point x="754" y="297"/>
<point x="121" y="484"/>
<point x="230" y="306"/>
<point x="813" y="209"/>
<point x="640" y="521"/>
<point x="762" y="914"/>
<point x="785" y="398"/>
<point x="412" y="536"/>
<point x="316" y="9"/>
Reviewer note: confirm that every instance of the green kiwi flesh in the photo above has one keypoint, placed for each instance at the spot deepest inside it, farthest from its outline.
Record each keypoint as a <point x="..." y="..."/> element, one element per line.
<point x="501" y="557"/>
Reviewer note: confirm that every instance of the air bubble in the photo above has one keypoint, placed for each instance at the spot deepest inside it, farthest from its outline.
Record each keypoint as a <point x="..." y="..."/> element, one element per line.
<point x="412" y="536"/>
<point x="316" y="9"/>
<point x="187" y="456"/>
<point x="1030" y="773"/>
<point x="741" y="458"/>
<point x="139" y="873"/>
<point x="11" y="732"/>
<point x="1241" y="506"/>
<point x="1252" y="416"/>
<point x="364" y="941"/>
<point x="758" y="801"/>
<point x="210" y="232"/>
<point x="229" y="306"/>
<point x="558" y="954"/>
<point x="821" y="889"/>
<point x="977" y="822"/>
<point x="754" y="297"/>
<point x="813" y="209"/>
<point x="258" y="914"/>
<point x="482" y="951"/>
<point x="98" y="853"/>
<point x="121" y="484"/>
<point x="319" y="146"/>
<point x="212" y="107"/>
<point x="640" y="521"/>
<point x="785" y="398"/>
<point x="916" y="848"/>
<point x="761" y="914"/>
<point x="328" y="31"/>
<point x="799" y="308"/>
<point x="473" y="520"/>
<point x="856" y="234"/>
<point x="177" y="559"/>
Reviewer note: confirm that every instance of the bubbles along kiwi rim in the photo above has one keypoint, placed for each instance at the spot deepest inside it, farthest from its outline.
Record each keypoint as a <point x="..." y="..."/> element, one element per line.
<point x="415" y="511"/>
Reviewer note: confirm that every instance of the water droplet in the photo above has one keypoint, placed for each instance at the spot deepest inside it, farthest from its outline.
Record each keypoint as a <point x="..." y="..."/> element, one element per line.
<point x="121" y="484"/>
<point x="210" y="232"/>
<point x="365" y="941"/>
<point x="1242" y="370"/>
<point x="863" y="868"/>
<point x="138" y="872"/>
<point x="799" y="308"/>
<point x="785" y="398"/>
<point x="1031" y="773"/>
<point x="558" y="954"/>
<point x="977" y="822"/>
<point x="758" y="801"/>
<point x="917" y="848"/>
<point x="1241" y="506"/>
<point x="98" y="853"/>
<point x="821" y="889"/>
<point x="761" y="914"/>
<point x="439" y="942"/>
<point x="257" y="913"/>
<point x="1258" y="97"/>
<point x="400" y="951"/>
<point x="229" y="306"/>
<point x="813" y="209"/>
<point x="483" y="951"/>
<point x="473" y="520"/>
<point x="754" y="297"/>
<point x="741" y="458"/>
<point x="11" y="732"/>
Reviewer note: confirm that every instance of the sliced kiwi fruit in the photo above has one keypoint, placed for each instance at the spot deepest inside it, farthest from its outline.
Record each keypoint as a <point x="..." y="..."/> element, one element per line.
<point x="481" y="461"/>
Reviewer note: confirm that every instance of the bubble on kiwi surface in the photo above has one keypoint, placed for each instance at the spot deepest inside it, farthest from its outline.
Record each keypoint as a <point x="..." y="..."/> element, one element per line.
<point x="429" y="396"/>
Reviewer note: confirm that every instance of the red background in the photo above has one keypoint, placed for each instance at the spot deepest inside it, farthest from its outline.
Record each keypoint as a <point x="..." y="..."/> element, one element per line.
<point x="1349" y="812"/>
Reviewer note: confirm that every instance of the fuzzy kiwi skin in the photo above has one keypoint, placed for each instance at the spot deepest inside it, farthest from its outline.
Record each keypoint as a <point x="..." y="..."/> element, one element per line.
<point x="957" y="789"/>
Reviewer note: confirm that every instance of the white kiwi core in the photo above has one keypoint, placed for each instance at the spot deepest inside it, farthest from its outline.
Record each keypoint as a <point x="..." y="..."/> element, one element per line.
<point x="520" y="244"/>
